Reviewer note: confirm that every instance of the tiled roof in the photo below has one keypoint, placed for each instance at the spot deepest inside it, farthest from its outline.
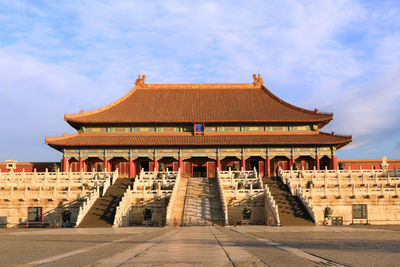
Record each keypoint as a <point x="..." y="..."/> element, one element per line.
<point x="134" y="139"/>
<point x="180" y="103"/>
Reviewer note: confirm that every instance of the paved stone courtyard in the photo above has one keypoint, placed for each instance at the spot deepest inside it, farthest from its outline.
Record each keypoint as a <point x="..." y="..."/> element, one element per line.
<point x="202" y="246"/>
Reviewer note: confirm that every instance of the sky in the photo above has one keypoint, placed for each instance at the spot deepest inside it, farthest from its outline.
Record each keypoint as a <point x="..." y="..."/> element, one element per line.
<point x="339" y="56"/>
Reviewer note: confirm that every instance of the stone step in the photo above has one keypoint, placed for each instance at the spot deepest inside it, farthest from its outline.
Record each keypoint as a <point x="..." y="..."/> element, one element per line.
<point x="291" y="210"/>
<point x="103" y="210"/>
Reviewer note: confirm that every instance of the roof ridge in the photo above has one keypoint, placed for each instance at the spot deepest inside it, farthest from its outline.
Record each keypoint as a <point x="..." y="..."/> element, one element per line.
<point x="200" y="86"/>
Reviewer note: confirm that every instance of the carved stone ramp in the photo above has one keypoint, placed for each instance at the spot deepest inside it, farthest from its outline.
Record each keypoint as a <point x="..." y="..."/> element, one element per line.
<point x="177" y="209"/>
<point x="291" y="210"/>
<point x="103" y="210"/>
<point x="202" y="202"/>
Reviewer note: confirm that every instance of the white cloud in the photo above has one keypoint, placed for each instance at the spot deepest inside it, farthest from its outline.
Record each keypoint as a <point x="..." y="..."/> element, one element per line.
<point x="340" y="56"/>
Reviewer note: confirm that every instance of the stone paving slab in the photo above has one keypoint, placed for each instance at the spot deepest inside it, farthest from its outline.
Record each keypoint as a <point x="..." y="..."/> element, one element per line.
<point x="190" y="246"/>
<point x="203" y="246"/>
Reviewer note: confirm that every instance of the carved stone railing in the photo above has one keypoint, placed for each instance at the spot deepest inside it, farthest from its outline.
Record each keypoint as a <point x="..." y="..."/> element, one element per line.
<point x="154" y="174"/>
<point x="54" y="178"/>
<point x="353" y="191"/>
<point x="172" y="199"/>
<point x="222" y="198"/>
<point x="337" y="174"/>
<point x="52" y="193"/>
<point x="87" y="205"/>
<point x="123" y="208"/>
<point x="271" y="206"/>
<point x="369" y="178"/>
<point x="306" y="203"/>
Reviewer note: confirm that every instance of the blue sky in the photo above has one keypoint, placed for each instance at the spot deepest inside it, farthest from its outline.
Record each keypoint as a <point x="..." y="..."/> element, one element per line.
<point x="60" y="57"/>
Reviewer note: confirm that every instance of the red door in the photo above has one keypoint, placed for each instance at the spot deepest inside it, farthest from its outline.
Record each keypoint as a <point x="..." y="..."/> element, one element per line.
<point x="279" y="162"/>
<point x="261" y="167"/>
<point x="176" y="166"/>
<point x="74" y="166"/>
<point x="188" y="169"/>
<point x="303" y="164"/>
<point x="211" y="169"/>
<point x="123" y="169"/>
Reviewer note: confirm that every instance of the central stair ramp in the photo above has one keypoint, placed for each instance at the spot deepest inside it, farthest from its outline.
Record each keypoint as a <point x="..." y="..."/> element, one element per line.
<point x="202" y="202"/>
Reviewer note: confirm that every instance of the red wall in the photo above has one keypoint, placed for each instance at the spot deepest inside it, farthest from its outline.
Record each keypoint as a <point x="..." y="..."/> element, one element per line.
<point x="367" y="164"/>
<point x="29" y="166"/>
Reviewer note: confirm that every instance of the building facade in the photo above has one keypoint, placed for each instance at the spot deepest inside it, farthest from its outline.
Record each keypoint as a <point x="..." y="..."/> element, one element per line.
<point x="198" y="128"/>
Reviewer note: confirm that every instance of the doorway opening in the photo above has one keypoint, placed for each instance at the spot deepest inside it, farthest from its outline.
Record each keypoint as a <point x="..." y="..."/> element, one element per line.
<point x="144" y="165"/>
<point x="254" y="164"/>
<point x="199" y="171"/>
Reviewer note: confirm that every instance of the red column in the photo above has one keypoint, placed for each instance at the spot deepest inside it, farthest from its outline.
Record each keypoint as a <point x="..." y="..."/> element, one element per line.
<point x="317" y="162"/>
<point x="334" y="162"/>
<point x="243" y="164"/>
<point x="64" y="164"/>
<point x="218" y="163"/>
<point x="267" y="166"/>
<point x="181" y="165"/>
<point x="106" y="164"/>
<point x="132" y="171"/>
<point x="292" y="161"/>
<point x="155" y="164"/>
<point x="80" y="164"/>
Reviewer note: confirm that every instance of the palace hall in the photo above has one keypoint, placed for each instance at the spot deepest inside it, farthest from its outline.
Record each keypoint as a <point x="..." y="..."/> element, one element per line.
<point x="198" y="128"/>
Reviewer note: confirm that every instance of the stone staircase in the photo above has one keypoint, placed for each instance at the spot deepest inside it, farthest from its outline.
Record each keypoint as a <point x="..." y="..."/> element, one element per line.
<point x="177" y="212"/>
<point x="291" y="210"/>
<point x="202" y="202"/>
<point x="103" y="210"/>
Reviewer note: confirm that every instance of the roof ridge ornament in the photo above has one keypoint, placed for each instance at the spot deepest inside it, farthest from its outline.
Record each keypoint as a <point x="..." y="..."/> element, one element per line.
<point x="258" y="81"/>
<point x="140" y="80"/>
